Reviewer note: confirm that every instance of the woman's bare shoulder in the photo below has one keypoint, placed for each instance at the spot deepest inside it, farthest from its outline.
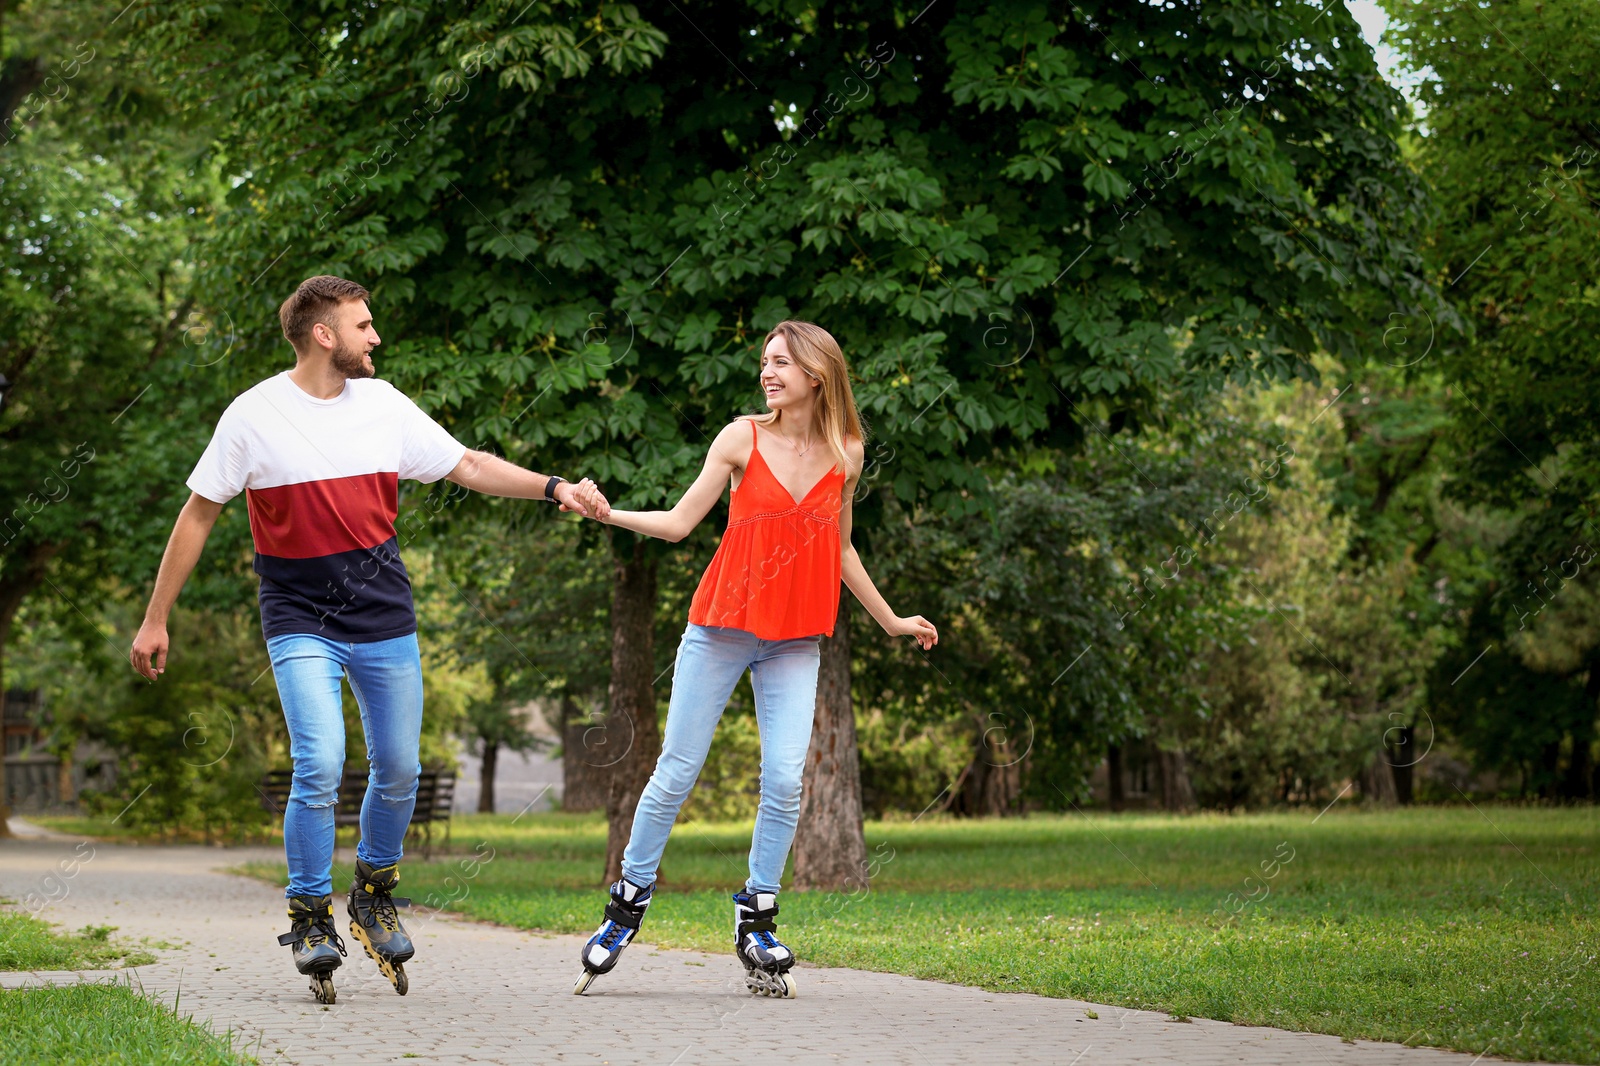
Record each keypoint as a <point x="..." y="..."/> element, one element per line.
<point x="855" y="448"/>
<point x="735" y="441"/>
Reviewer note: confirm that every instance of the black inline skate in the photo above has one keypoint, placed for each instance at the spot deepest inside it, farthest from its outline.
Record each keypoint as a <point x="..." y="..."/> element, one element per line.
<point x="375" y="921"/>
<point x="624" y="914"/>
<point x="318" y="951"/>
<point x="766" y="960"/>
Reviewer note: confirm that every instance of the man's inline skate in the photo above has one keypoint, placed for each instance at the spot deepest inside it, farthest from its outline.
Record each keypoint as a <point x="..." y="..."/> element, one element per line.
<point x="624" y="913"/>
<point x="375" y="921"/>
<point x="318" y="951"/>
<point x="766" y="959"/>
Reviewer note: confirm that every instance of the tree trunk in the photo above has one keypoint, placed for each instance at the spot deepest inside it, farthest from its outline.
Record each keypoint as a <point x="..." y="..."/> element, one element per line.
<point x="830" y="846"/>
<point x="1403" y="762"/>
<point x="991" y="781"/>
<point x="1377" y="777"/>
<point x="583" y="766"/>
<point x="491" y="755"/>
<point x="1581" y="766"/>
<point x="1114" y="791"/>
<point x="1579" y="784"/>
<point x="19" y="76"/>
<point x="1549" y="765"/>
<point x="22" y="577"/>
<point x="633" y="701"/>
<point x="1177" y="790"/>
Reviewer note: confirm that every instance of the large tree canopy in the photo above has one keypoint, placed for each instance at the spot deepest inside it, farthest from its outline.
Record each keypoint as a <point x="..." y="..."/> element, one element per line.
<point x="577" y="221"/>
<point x="1512" y="151"/>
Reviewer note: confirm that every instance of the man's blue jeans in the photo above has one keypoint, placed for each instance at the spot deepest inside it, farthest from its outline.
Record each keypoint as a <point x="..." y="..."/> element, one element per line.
<point x="386" y="677"/>
<point x="783" y="675"/>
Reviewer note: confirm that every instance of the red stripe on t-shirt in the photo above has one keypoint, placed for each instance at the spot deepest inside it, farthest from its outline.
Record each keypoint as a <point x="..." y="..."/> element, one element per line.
<point x="324" y="517"/>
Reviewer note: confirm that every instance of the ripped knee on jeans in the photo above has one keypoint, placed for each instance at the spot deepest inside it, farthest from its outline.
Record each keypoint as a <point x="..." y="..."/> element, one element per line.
<point x="404" y="794"/>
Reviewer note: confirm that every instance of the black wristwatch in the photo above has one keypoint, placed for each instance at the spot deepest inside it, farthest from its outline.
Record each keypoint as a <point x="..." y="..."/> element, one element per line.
<point x="550" y="487"/>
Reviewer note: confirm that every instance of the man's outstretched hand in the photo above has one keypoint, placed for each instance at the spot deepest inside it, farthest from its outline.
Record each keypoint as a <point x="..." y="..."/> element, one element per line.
<point x="584" y="497"/>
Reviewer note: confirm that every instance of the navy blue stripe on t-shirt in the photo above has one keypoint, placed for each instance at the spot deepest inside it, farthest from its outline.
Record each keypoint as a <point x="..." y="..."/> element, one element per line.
<point x="356" y="597"/>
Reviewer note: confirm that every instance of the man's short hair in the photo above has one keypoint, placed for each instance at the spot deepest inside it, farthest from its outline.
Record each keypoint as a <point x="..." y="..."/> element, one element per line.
<point x="314" y="301"/>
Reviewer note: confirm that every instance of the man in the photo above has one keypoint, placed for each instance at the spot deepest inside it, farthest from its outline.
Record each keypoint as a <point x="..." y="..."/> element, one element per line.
<point x="319" y="450"/>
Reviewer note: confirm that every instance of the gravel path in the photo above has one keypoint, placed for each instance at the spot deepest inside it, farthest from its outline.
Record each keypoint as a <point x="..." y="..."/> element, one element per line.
<point x="482" y="993"/>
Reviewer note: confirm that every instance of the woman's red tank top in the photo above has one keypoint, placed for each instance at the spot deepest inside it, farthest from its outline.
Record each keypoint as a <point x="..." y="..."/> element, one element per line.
<point x="776" y="573"/>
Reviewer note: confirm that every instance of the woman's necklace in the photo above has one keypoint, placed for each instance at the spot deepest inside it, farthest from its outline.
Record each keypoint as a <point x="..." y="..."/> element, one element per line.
<point x="797" y="449"/>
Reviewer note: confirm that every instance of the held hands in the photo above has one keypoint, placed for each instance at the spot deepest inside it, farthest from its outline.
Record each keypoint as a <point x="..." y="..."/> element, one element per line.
<point x="585" y="498"/>
<point x="915" y="626"/>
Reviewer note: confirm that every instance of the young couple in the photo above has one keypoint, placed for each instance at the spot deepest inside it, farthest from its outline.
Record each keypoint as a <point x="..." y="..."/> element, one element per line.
<point x="319" y="451"/>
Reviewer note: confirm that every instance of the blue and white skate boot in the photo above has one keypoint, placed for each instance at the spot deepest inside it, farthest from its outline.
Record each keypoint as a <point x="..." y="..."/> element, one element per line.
<point x="766" y="959"/>
<point x="624" y="914"/>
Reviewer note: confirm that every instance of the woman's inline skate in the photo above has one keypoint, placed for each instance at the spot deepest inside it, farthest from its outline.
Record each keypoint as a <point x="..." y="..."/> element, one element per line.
<point x="767" y="961"/>
<point x="624" y="914"/>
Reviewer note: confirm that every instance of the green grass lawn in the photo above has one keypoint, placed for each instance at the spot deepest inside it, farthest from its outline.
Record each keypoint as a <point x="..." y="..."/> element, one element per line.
<point x="1429" y="926"/>
<point x="26" y="943"/>
<point x="94" y="1023"/>
<point x="101" y="1024"/>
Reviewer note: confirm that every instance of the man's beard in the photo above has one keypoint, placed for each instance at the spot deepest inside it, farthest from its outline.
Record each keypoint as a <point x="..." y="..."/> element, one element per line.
<point x="349" y="362"/>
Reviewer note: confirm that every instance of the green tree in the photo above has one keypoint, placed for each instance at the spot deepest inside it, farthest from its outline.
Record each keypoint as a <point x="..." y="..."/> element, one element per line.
<point x="529" y="598"/>
<point x="95" y="206"/>
<point x="580" y="220"/>
<point x="1510" y="90"/>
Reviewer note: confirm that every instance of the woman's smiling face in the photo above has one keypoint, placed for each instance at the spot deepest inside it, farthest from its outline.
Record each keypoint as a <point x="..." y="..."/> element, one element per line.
<point x="783" y="381"/>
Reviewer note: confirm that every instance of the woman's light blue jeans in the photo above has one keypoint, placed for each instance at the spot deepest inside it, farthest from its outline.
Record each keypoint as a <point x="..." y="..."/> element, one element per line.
<point x="783" y="674"/>
<point x="386" y="677"/>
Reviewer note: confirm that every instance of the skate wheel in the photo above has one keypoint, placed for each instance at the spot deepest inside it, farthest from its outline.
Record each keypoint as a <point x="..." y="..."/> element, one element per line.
<point x="401" y="984"/>
<point x="322" y="988"/>
<point x="776" y="985"/>
<point x="585" y="979"/>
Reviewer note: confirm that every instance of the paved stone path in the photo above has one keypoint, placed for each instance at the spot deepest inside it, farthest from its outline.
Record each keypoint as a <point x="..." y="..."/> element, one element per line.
<point x="483" y="993"/>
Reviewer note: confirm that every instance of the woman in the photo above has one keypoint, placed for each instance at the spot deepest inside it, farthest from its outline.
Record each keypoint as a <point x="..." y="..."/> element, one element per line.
<point x="770" y="593"/>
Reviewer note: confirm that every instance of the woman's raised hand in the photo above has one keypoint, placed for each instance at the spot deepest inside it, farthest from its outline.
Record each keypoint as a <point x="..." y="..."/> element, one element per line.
<point x="915" y="626"/>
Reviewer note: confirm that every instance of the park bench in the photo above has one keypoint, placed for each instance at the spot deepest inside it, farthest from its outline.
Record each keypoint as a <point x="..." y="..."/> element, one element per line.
<point x="436" y="793"/>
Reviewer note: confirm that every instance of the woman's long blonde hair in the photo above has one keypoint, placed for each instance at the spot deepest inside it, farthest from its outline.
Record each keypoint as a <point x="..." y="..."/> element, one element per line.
<point x="820" y="356"/>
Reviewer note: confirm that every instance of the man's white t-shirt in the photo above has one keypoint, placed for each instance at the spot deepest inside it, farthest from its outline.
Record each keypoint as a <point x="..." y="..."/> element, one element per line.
<point x="322" y="482"/>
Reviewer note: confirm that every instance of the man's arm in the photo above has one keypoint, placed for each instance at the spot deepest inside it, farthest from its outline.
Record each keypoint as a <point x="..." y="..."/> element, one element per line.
<point x="189" y="533"/>
<point x="492" y="475"/>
